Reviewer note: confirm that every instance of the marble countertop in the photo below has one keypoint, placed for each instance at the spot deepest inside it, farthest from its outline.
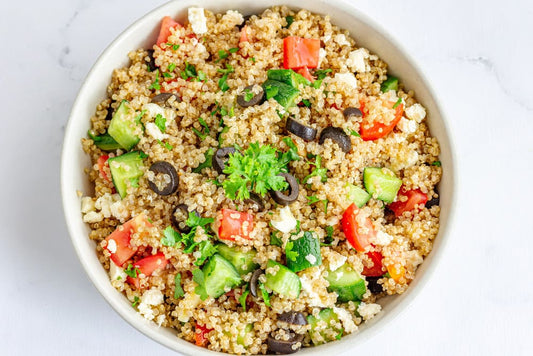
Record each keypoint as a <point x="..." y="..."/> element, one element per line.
<point x="478" y="55"/>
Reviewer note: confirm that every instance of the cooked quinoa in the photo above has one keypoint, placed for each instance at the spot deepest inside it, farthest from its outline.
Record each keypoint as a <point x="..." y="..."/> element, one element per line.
<point x="208" y="63"/>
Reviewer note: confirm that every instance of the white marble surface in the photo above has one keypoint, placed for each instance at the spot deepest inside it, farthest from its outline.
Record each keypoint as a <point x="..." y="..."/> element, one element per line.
<point x="478" y="55"/>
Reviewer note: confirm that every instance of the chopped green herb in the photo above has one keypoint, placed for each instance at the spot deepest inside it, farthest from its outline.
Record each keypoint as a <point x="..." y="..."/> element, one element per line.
<point x="318" y="171"/>
<point x="243" y="297"/>
<point x="166" y="145"/>
<point x="136" y="301"/>
<point x="306" y="103"/>
<point x="167" y="75"/>
<point x="326" y="203"/>
<point x="201" y="76"/>
<point x="131" y="271"/>
<point x="204" y="124"/>
<point x="198" y="277"/>
<point x="207" y="163"/>
<point x="290" y="20"/>
<point x="189" y="72"/>
<point x="248" y="95"/>
<point x="195" y="220"/>
<point x="256" y="169"/>
<point x="178" y="290"/>
<point x="290" y="254"/>
<point x="274" y="239"/>
<point x="134" y="182"/>
<point x="291" y="154"/>
<point x="312" y="199"/>
<point x="222" y="82"/>
<point x="437" y="164"/>
<point x="155" y="85"/>
<point x="220" y="136"/>
<point x="322" y="73"/>
<point x="206" y="249"/>
<point x="328" y="240"/>
<point x="170" y="237"/>
<point x="171" y="67"/>
<point x="264" y="294"/>
<point x="234" y="50"/>
<point x="398" y="102"/>
<point x="175" y="47"/>
<point x="354" y="133"/>
<point x="160" y="122"/>
<point x="200" y="134"/>
<point x="252" y="59"/>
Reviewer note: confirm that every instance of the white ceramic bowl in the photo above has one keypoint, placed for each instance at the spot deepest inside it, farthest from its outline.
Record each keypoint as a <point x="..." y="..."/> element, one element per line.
<point x="143" y="34"/>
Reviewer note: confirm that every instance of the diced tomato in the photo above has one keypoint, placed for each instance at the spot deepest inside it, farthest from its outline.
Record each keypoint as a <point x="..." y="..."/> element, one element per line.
<point x="414" y="197"/>
<point x="377" y="269"/>
<point x="200" y="335"/>
<point x="357" y="228"/>
<point x="378" y="129"/>
<point x="147" y="266"/>
<point x="305" y="73"/>
<point x="396" y="273"/>
<point x="233" y="223"/>
<point x="118" y="243"/>
<point x="103" y="166"/>
<point x="166" y="24"/>
<point x="300" y="52"/>
<point x="244" y="34"/>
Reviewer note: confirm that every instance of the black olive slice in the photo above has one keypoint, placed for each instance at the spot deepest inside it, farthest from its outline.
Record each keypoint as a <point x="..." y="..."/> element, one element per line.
<point x="305" y="132"/>
<point x="253" y="282"/>
<point x="293" y="317"/>
<point x="389" y="215"/>
<point x="163" y="167"/>
<point x="351" y="111"/>
<point x="180" y="224"/>
<point x="433" y="202"/>
<point x="373" y="285"/>
<point x="338" y="135"/>
<point x="246" y="18"/>
<point x="256" y="99"/>
<point x="294" y="189"/>
<point x="257" y="201"/>
<point x="285" y="347"/>
<point x="151" y="62"/>
<point x="163" y="98"/>
<point x="221" y="157"/>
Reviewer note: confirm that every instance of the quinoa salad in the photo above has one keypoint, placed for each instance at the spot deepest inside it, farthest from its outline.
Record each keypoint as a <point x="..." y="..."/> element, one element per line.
<point x="260" y="182"/>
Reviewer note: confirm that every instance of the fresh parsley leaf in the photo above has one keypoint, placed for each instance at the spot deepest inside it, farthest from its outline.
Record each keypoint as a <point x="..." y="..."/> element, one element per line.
<point x="229" y="69"/>
<point x="189" y="72"/>
<point x="167" y="75"/>
<point x="195" y="220"/>
<point x="328" y="240"/>
<point x="134" y="182"/>
<point x="322" y="73"/>
<point x="199" y="133"/>
<point x="312" y="199"/>
<point x="198" y="277"/>
<point x="398" y="102"/>
<point x="207" y="163"/>
<point x="206" y="249"/>
<point x="291" y="154"/>
<point x="306" y="103"/>
<point x="275" y="240"/>
<point x="289" y="253"/>
<point x="243" y="297"/>
<point x="167" y="145"/>
<point x="318" y="171"/>
<point x="138" y="118"/>
<point x="264" y="294"/>
<point x="201" y="76"/>
<point x="256" y="169"/>
<point x="223" y="83"/>
<point x="354" y="133"/>
<point x="252" y="59"/>
<point x="290" y="20"/>
<point x="171" y="67"/>
<point x="325" y="202"/>
<point x="143" y="155"/>
<point x="160" y="122"/>
<point x="222" y="55"/>
<point x="131" y="271"/>
<point x="204" y="124"/>
<point x="170" y="237"/>
<point x="437" y="164"/>
<point x="155" y="85"/>
<point x="178" y="290"/>
<point x="298" y="228"/>
<point x="248" y="95"/>
<point x="221" y="133"/>
<point x="136" y="301"/>
<point x="234" y="50"/>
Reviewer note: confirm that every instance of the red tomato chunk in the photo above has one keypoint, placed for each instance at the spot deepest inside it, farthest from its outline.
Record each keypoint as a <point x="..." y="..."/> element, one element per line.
<point x="147" y="266"/>
<point x="166" y="24"/>
<point x="232" y="223"/>
<point x="414" y="198"/>
<point x="300" y="52"/>
<point x="357" y="228"/>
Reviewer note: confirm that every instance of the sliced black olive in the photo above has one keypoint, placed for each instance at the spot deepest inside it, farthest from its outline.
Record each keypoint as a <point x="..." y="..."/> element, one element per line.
<point x="256" y="200"/>
<point x="151" y="61"/>
<point x="305" y="132"/>
<point x="338" y="135"/>
<point x="164" y="168"/>
<point x="293" y="317"/>
<point x="285" y="347"/>
<point x="389" y="215"/>
<point x="253" y="282"/>
<point x="110" y="112"/>
<point x="246" y="18"/>
<point x="351" y="111"/>
<point x="179" y="224"/>
<point x="256" y="99"/>
<point x="163" y="98"/>
<point x="221" y="157"/>
<point x="433" y="201"/>
<point x="373" y="285"/>
<point x="294" y="189"/>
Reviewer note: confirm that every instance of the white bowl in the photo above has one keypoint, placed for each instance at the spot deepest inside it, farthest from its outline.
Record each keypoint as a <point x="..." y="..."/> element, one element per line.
<point x="143" y="34"/>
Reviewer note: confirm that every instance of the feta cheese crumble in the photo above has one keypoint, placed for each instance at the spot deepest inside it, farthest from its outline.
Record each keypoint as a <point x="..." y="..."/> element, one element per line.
<point x="416" y="112"/>
<point x="346" y="78"/>
<point x="356" y="60"/>
<point x="285" y="221"/>
<point x="197" y="20"/>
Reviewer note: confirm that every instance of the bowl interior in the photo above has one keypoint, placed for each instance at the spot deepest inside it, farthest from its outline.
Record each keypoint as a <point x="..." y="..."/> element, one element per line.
<point x="142" y="34"/>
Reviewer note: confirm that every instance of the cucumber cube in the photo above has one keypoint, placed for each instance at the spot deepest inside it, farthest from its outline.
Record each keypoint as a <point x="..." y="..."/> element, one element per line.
<point x="381" y="184"/>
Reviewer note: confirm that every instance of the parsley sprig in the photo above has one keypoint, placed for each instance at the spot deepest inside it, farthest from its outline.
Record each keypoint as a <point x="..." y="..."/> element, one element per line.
<point x="256" y="169"/>
<point x="155" y="85"/>
<point x="223" y="81"/>
<point x="318" y="170"/>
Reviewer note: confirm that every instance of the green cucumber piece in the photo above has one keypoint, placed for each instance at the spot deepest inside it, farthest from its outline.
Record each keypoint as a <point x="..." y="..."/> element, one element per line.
<point x="325" y="327"/>
<point x="283" y="93"/>
<point x="287" y="76"/>
<point x="390" y="84"/>
<point x="105" y="142"/>
<point x="347" y="283"/>
<point x="242" y="261"/>
<point x="304" y="252"/>
<point x="357" y="195"/>
<point x="283" y="281"/>
<point x="241" y="337"/>
<point x="126" y="170"/>
<point x="124" y="126"/>
<point x="378" y="182"/>
<point x="219" y="275"/>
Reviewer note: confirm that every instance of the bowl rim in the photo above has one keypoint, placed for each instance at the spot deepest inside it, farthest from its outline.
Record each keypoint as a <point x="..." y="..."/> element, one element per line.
<point x="182" y="346"/>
